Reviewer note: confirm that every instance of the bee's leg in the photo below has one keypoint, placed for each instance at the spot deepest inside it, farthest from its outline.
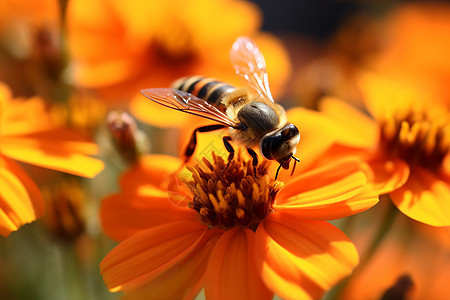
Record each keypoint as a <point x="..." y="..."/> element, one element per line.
<point x="255" y="159"/>
<point x="230" y="149"/>
<point x="193" y="141"/>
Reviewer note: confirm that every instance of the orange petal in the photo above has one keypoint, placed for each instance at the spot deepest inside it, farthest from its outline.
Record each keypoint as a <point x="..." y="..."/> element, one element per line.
<point x="231" y="272"/>
<point x="125" y="214"/>
<point x="24" y="117"/>
<point x="98" y="43"/>
<point x="334" y="208"/>
<point x="5" y="92"/>
<point x="358" y="130"/>
<point x="325" y="185"/>
<point x="140" y="18"/>
<point x="185" y="279"/>
<point x="154" y="170"/>
<point x="386" y="96"/>
<point x="317" y="135"/>
<point x="149" y="253"/>
<point x="409" y="26"/>
<point x="72" y="139"/>
<point x="158" y="176"/>
<point x="424" y="198"/>
<point x="302" y="259"/>
<point x="387" y="175"/>
<point x="20" y="199"/>
<point x="64" y="156"/>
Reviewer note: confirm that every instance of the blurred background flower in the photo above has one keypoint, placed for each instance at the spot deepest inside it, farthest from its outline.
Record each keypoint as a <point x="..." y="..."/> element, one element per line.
<point x="411" y="262"/>
<point x="32" y="54"/>
<point x="119" y="47"/>
<point x="29" y="135"/>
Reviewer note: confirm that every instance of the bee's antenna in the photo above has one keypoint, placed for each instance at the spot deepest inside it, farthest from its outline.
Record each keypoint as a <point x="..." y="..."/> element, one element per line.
<point x="296" y="160"/>
<point x="278" y="170"/>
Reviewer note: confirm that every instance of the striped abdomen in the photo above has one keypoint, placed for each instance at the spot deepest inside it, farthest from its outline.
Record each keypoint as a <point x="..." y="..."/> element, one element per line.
<point x="208" y="89"/>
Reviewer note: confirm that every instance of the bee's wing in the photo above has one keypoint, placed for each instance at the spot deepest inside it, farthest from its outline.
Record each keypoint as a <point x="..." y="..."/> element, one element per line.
<point x="188" y="103"/>
<point x="250" y="65"/>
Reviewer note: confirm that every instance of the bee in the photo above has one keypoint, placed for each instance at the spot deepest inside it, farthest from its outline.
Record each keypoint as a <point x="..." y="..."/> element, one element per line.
<point x="252" y="116"/>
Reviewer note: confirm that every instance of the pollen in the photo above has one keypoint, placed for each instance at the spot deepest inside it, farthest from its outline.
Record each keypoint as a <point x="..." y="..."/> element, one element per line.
<point x="237" y="195"/>
<point x="420" y="137"/>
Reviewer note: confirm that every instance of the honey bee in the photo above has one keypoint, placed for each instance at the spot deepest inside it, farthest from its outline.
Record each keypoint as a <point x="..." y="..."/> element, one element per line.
<point x="252" y="116"/>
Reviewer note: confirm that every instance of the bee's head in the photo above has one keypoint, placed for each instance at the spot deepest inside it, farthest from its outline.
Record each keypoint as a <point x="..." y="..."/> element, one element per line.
<point x="280" y="145"/>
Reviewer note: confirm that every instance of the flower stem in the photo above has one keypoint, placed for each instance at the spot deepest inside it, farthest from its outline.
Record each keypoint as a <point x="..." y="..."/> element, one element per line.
<point x="383" y="228"/>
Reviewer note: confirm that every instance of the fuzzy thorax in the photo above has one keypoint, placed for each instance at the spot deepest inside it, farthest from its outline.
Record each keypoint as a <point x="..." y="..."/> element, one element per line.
<point x="233" y="196"/>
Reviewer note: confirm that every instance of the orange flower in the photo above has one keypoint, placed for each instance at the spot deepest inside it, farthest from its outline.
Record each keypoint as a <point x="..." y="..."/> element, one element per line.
<point x="30" y="45"/>
<point x="413" y="261"/>
<point x="29" y="12"/>
<point x="28" y="135"/>
<point x="119" y="47"/>
<point x="238" y="234"/>
<point x="417" y="46"/>
<point x="406" y="143"/>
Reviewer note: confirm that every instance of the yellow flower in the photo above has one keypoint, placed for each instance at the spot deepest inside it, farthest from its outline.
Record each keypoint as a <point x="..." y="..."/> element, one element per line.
<point x="120" y="47"/>
<point x="28" y="135"/>
<point x="238" y="234"/>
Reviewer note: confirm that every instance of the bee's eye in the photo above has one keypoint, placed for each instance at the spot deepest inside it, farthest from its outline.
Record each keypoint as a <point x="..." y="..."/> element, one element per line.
<point x="285" y="132"/>
<point x="289" y="131"/>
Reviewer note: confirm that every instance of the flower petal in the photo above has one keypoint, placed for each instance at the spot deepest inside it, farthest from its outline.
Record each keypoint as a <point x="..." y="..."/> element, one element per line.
<point x="385" y="96"/>
<point x="231" y="272"/>
<point x="334" y="208"/>
<point x="302" y="259"/>
<point x="388" y="175"/>
<point x="424" y="198"/>
<point x="61" y="155"/>
<point x="23" y="117"/>
<point x="311" y="125"/>
<point x="358" y="130"/>
<point x="149" y="253"/>
<point x="152" y="170"/>
<point x="185" y="279"/>
<point x="20" y="199"/>
<point x="329" y="192"/>
<point x="125" y="214"/>
<point x="91" y="32"/>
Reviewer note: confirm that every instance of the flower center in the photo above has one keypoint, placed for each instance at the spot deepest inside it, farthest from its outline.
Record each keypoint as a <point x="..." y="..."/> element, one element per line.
<point x="420" y="138"/>
<point x="173" y="45"/>
<point x="233" y="196"/>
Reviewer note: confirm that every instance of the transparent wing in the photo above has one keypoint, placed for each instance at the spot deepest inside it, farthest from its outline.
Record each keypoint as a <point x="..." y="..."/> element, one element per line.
<point x="250" y="65"/>
<point x="187" y="103"/>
